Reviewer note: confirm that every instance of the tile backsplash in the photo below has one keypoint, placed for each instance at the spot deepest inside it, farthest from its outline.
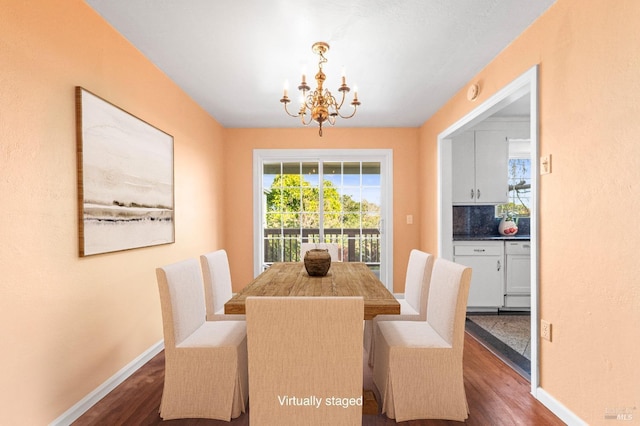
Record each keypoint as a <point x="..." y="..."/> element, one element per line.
<point x="480" y="221"/>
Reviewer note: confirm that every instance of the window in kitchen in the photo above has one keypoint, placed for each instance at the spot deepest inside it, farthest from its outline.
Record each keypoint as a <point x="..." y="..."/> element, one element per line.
<point x="519" y="189"/>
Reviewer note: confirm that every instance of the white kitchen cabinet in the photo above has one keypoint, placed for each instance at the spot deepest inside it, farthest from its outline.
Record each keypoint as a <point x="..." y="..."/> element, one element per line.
<point x="480" y="161"/>
<point x="486" y="259"/>
<point x="518" y="274"/>
<point x="463" y="156"/>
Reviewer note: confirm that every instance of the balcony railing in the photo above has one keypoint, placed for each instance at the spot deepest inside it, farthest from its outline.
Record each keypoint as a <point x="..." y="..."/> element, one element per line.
<point x="355" y="245"/>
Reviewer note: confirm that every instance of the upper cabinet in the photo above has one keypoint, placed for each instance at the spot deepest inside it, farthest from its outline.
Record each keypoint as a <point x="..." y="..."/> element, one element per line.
<point x="480" y="163"/>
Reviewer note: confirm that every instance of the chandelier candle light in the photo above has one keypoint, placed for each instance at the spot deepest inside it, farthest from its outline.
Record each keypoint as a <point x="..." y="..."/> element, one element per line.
<point x="320" y="105"/>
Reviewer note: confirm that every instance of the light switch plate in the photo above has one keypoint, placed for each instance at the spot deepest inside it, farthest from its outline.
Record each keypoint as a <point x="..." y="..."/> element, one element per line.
<point x="545" y="330"/>
<point x="545" y="164"/>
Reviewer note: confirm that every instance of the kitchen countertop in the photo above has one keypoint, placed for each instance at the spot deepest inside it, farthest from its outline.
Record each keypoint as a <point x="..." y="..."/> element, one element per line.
<point x="490" y="238"/>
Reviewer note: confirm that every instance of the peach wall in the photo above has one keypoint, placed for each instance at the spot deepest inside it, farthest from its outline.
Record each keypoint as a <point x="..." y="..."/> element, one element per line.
<point x="239" y="146"/>
<point x="589" y="88"/>
<point x="70" y="323"/>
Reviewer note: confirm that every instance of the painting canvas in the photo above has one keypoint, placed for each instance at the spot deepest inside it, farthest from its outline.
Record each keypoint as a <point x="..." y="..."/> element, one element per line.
<point x="125" y="179"/>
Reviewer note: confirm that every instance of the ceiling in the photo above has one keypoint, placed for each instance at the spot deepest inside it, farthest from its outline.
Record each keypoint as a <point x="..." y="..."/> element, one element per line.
<point x="407" y="57"/>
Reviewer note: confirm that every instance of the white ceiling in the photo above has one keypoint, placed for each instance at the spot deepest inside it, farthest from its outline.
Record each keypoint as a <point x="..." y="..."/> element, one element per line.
<point x="407" y="57"/>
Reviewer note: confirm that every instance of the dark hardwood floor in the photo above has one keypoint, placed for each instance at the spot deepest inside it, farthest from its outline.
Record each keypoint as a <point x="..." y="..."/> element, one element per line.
<point x="497" y="396"/>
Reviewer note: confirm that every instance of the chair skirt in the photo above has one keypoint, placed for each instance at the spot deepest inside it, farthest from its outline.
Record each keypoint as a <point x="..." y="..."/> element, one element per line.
<point x="419" y="382"/>
<point x="199" y="385"/>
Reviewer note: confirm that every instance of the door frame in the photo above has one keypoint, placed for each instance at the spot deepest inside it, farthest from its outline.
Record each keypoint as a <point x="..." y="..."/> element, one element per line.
<point x="384" y="156"/>
<point x="525" y="83"/>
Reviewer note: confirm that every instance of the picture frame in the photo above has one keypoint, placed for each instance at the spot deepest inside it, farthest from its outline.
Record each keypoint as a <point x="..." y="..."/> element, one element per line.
<point x="125" y="179"/>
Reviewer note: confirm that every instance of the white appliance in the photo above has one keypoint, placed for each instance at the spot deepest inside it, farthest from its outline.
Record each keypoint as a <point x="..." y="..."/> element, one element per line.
<point x="518" y="275"/>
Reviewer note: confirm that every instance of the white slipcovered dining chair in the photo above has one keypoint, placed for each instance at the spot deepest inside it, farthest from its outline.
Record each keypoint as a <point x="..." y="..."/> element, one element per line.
<point x="205" y="361"/>
<point x="418" y="364"/>
<point x="331" y="247"/>
<point x="217" y="285"/>
<point x="305" y="347"/>
<point x="416" y="294"/>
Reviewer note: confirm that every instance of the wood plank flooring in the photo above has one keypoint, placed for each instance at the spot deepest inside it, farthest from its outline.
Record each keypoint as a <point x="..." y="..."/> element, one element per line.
<point x="497" y="396"/>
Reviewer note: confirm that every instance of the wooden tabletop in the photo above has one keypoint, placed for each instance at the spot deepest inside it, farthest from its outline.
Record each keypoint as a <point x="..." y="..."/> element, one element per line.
<point x="343" y="279"/>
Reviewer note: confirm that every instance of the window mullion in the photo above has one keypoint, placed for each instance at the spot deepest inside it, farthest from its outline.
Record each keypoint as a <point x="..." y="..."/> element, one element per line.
<point x="321" y="200"/>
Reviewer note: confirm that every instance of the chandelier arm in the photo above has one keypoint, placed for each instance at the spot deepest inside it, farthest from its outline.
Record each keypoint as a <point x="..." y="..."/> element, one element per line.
<point x="287" y="111"/>
<point x="344" y="95"/>
<point x="308" y="100"/>
<point x="348" y="116"/>
<point x="354" y="104"/>
<point x="305" y="123"/>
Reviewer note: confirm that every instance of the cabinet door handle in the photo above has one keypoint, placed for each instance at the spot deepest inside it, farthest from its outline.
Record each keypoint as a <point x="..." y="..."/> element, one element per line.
<point x="479" y="250"/>
<point x="499" y="265"/>
<point x="472" y="193"/>
<point x="478" y="194"/>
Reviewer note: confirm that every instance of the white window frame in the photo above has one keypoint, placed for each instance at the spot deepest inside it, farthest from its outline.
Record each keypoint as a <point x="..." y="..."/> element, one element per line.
<point x="383" y="156"/>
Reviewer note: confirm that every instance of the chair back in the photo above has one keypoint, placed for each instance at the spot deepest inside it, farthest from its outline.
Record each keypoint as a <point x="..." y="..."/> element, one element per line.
<point x="448" y="293"/>
<point x="418" y="278"/>
<point x="301" y="347"/>
<point x="181" y="300"/>
<point x="331" y="247"/>
<point x="217" y="281"/>
<point x="205" y="366"/>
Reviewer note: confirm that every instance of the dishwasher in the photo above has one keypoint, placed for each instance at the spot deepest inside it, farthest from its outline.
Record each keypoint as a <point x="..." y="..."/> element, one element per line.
<point x="518" y="275"/>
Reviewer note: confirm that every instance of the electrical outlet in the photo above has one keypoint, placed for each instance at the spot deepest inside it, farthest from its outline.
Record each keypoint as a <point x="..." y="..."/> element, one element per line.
<point x="545" y="330"/>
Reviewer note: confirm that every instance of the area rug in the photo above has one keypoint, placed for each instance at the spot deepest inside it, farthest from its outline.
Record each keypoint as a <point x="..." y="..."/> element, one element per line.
<point x="508" y="336"/>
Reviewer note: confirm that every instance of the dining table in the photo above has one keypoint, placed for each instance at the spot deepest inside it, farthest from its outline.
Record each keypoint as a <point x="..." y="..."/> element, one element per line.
<point x="343" y="279"/>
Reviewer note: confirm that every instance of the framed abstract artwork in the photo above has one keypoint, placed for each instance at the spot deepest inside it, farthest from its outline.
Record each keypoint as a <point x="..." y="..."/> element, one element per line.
<point x="125" y="179"/>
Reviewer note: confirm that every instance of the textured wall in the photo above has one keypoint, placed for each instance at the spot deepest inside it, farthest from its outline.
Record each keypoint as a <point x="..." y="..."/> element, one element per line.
<point x="239" y="146"/>
<point x="70" y="323"/>
<point x="588" y="97"/>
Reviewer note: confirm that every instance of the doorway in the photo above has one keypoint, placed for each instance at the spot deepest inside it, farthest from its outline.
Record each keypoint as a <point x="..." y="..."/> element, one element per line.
<point x="518" y="89"/>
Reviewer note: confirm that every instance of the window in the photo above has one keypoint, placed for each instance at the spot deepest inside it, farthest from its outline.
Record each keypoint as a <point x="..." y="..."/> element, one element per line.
<point x="519" y="189"/>
<point x="341" y="208"/>
<point x="330" y="196"/>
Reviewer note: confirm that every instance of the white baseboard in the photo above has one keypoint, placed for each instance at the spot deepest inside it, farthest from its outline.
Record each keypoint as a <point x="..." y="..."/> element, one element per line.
<point x="562" y="412"/>
<point x="73" y="413"/>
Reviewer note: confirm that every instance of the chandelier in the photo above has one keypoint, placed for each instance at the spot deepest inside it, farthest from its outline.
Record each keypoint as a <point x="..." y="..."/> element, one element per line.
<point x="320" y="105"/>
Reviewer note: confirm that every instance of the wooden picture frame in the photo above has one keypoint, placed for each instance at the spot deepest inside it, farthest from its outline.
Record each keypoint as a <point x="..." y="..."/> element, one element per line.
<point x="125" y="179"/>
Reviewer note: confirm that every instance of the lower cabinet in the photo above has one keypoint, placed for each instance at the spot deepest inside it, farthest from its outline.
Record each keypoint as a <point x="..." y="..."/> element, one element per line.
<point x="486" y="259"/>
<point x="501" y="277"/>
